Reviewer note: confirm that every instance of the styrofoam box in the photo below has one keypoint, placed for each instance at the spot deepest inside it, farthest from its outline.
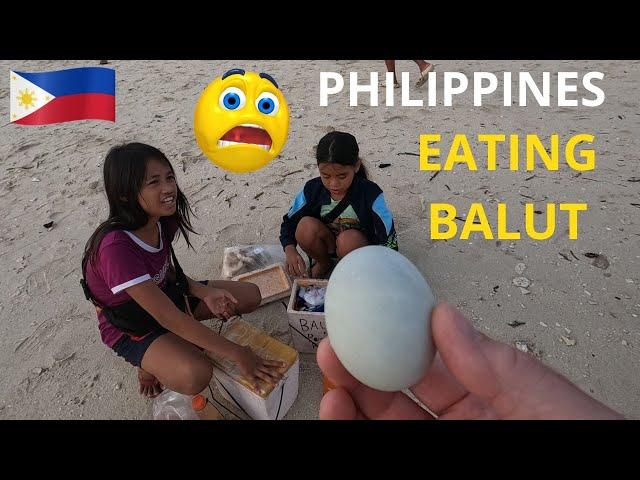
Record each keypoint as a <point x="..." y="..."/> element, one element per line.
<point x="266" y="402"/>
<point x="272" y="281"/>
<point x="307" y="328"/>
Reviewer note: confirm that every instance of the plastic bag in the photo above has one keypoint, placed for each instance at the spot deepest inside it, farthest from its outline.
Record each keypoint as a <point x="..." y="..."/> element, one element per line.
<point x="313" y="295"/>
<point x="247" y="258"/>
<point x="171" y="405"/>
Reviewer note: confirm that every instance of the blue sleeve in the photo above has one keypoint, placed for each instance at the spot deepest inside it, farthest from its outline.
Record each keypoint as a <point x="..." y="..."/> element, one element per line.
<point x="383" y="223"/>
<point x="299" y="207"/>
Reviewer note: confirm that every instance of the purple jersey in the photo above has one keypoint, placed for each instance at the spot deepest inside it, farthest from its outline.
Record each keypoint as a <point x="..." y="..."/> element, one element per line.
<point x="123" y="261"/>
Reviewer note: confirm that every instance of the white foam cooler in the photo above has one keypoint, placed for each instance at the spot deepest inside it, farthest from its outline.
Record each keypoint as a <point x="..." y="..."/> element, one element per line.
<point x="307" y="328"/>
<point x="265" y="402"/>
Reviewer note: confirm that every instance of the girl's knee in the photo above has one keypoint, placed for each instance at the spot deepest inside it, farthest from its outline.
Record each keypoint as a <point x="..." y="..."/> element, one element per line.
<point x="195" y="376"/>
<point x="348" y="241"/>
<point x="310" y="230"/>
<point x="306" y="230"/>
<point x="251" y="298"/>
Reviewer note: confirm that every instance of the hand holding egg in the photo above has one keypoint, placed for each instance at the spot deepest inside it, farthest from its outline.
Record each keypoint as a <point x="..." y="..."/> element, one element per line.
<point x="377" y="311"/>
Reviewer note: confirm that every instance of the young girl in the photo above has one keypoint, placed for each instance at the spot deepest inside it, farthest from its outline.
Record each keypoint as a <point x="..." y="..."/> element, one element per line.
<point x="337" y="212"/>
<point x="138" y="293"/>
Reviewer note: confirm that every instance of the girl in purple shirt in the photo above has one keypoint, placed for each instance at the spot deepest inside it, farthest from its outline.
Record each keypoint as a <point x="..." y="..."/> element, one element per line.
<point x="142" y="297"/>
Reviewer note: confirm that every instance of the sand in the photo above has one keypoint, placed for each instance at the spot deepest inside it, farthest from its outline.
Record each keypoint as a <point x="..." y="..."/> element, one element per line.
<point x="53" y="363"/>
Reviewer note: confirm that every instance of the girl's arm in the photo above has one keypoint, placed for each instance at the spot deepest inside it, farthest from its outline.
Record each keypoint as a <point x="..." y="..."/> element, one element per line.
<point x="196" y="289"/>
<point x="300" y="207"/>
<point x="200" y="291"/>
<point x="219" y="301"/>
<point x="383" y="223"/>
<point x="153" y="300"/>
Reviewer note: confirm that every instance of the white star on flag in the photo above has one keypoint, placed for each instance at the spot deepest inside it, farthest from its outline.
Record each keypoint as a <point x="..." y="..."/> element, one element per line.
<point x="25" y="97"/>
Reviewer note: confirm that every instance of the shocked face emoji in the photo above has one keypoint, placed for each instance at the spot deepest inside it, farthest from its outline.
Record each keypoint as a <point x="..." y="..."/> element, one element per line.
<point x="241" y="121"/>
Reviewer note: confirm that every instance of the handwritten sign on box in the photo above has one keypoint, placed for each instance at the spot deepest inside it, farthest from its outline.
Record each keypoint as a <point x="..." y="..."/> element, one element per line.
<point x="307" y="328"/>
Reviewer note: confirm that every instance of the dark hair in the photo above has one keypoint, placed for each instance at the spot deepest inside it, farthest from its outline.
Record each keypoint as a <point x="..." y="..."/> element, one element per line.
<point x="124" y="171"/>
<point x="341" y="148"/>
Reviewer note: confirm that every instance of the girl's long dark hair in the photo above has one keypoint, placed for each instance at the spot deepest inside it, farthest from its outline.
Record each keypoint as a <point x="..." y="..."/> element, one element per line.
<point x="341" y="148"/>
<point x="124" y="171"/>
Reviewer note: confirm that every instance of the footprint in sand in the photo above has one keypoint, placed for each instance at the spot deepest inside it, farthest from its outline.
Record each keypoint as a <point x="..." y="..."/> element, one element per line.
<point x="392" y="119"/>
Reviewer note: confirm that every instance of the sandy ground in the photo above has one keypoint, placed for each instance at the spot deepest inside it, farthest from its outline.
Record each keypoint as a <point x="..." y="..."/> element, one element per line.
<point x="53" y="363"/>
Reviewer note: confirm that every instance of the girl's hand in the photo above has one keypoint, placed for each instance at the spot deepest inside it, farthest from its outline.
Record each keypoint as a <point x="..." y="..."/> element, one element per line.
<point x="253" y="367"/>
<point x="221" y="303"/>
<point x="294" y="264"/>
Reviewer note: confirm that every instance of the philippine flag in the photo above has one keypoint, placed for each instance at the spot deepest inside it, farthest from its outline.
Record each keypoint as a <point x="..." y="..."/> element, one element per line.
<point x="63" y="96"/>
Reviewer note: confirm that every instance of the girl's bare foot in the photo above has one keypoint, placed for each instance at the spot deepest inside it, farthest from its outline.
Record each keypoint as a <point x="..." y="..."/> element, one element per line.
<point x="149" y="385"/>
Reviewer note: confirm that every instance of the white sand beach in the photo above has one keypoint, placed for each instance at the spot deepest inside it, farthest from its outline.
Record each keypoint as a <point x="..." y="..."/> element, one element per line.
<point x="580" y="319"/>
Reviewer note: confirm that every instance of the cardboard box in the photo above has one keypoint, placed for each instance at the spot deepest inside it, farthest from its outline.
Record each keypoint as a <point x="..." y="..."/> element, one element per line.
<point x="273" y="282"/>
<point x="307" y="328"/>
<point x="265" y="402"/>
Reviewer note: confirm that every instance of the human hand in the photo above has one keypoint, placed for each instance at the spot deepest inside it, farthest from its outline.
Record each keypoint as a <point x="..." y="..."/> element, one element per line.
<point x="294" y="264"/>
<point x="221" y="303"/>
<point x="254" y="367"/>
<point x="472" y="377"/>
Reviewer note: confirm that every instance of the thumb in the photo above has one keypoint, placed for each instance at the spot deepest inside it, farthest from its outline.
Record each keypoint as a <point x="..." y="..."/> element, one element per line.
<point x="230" y="297"/>
<point x="513" y="381"/>
<point x="475" y="360"/>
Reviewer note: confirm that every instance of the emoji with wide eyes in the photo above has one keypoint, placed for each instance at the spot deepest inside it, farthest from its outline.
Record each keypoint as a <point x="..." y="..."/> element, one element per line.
<point x="241" y="121"/>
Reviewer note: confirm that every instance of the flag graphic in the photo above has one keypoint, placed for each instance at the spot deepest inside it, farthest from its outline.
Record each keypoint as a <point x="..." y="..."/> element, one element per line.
<point x="42" y="98"/>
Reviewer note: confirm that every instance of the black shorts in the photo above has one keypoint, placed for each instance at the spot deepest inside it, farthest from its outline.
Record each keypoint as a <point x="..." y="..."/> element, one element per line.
<point x="337" y="228"/>
<point x="132" y="349"/>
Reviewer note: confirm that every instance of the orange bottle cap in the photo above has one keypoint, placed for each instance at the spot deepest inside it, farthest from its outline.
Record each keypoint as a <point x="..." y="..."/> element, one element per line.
<point x="198" y="403"/>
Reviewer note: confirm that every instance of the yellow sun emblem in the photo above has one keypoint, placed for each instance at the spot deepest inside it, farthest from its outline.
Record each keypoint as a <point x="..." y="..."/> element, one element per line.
<point x="26" y="98"/>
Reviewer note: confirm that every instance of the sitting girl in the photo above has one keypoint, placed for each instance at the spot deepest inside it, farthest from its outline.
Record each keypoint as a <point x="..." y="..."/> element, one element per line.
<point x="337" y="212"/>
<point x="142" y="299"/>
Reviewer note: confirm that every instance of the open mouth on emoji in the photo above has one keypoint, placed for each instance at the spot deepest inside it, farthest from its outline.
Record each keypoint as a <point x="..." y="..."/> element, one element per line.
<point x="246" y="134"/>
